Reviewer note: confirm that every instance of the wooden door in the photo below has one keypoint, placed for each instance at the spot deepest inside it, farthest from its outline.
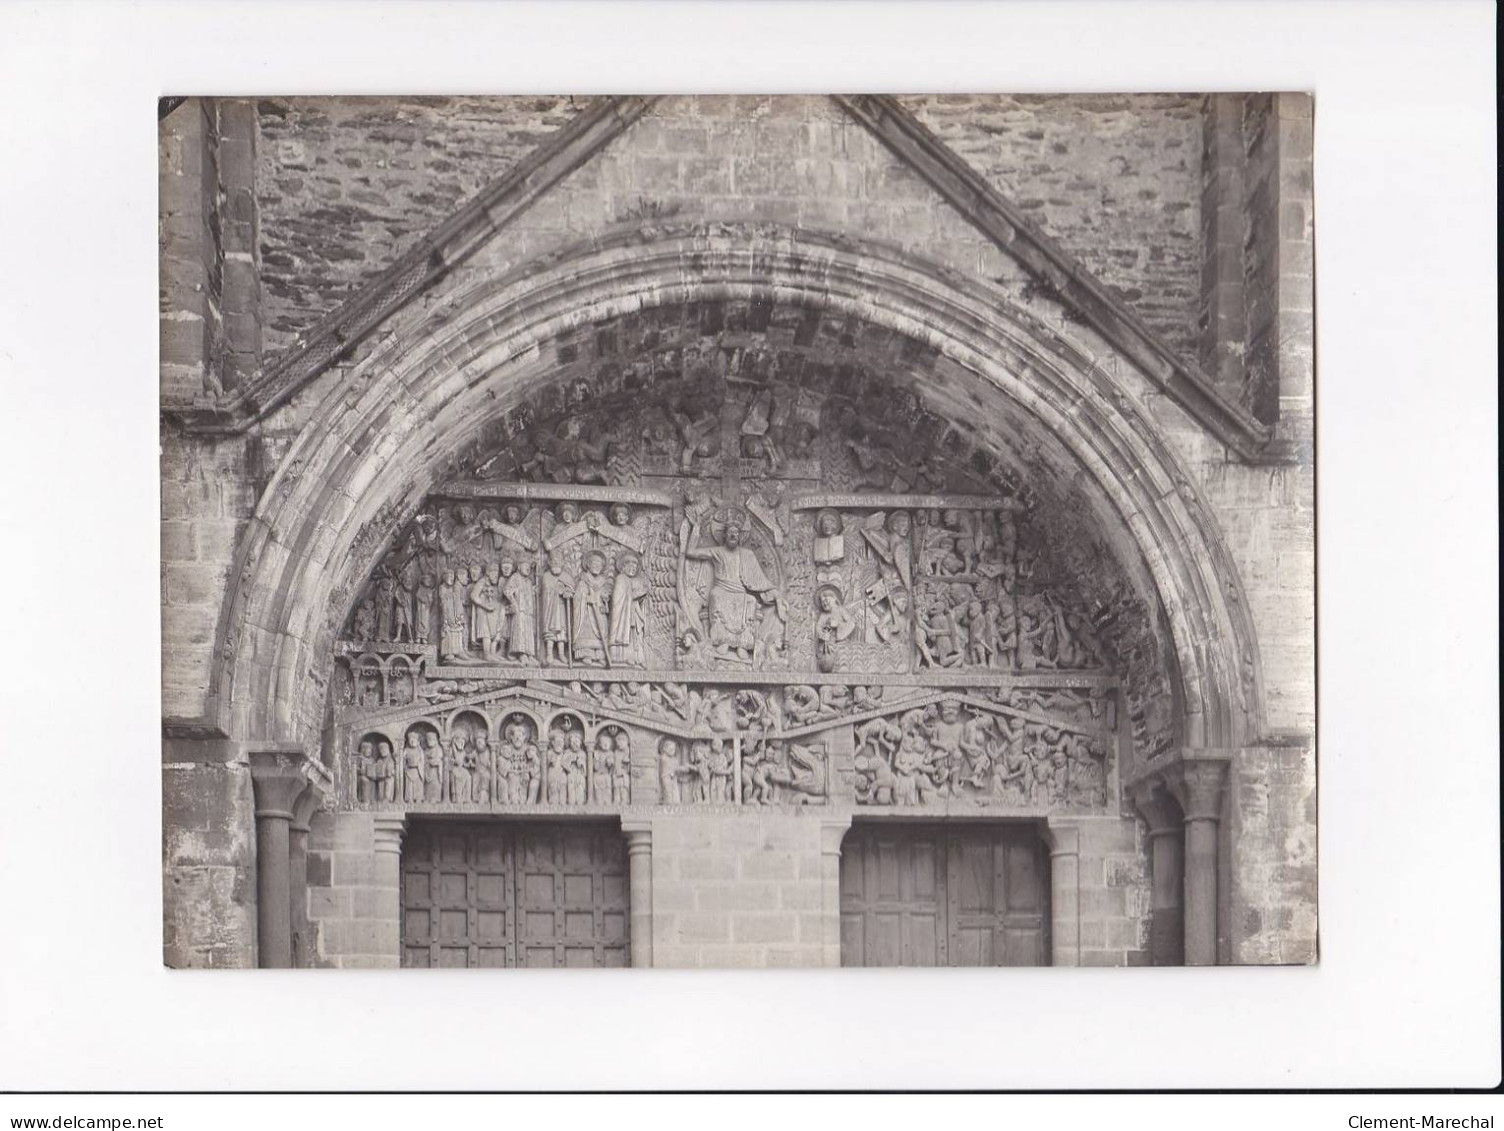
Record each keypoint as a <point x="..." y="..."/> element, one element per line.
<point x="571" y="897"/>
<point x="935" y="895"/>
<point x="498" y="895"/>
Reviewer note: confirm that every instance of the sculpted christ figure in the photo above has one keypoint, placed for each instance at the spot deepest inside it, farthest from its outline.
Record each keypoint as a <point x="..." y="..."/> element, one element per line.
<point x="739" y="586"/>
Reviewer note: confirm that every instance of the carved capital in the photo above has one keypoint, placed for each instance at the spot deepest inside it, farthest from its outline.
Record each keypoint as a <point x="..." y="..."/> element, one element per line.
<point x="832" y="832"/>
<point x="1157" y="805"/>
<point x="278" y="780"/>
<point x="304" y="808"/>
<point x="639" y="836"/>
<point x="1063" y="836"/>
<point x="1197" y="780"/>
<point x="389" y="831"/>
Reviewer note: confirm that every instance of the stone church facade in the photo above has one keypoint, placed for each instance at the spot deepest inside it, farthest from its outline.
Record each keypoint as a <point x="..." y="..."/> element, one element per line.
<point x="738" y="531"/>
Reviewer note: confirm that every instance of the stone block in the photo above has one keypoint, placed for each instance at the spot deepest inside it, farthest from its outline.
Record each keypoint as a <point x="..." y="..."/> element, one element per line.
<point x="777" y="957"/>
<point x="673" y="895"/>
<point x="353" y="869"/>
<point x="768" y="864"/>
<point x="801" y="896"/>
<point x="706" y="866"/>
<point x="744" y="895"/>
<point x="702" y="927"/>
<point x="329" y="903"/>
<point x="375" y="903"/>
<point x="768" y="927"/>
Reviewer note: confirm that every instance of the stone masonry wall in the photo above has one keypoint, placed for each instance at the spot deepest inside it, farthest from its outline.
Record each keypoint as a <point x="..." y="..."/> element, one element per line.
<point x="208" y="858"/>
<point x="1114" y="178"/>
<point x="1114" y="878"/>
<point x="743" y="891"/>
<point x="208" y="495"/>
<point x="1272" y="879"/>
<point x="187" y="244"/>
<point x="791" y="161"/>
<point x="353" y="893"/>
<point x="346" y="185"/>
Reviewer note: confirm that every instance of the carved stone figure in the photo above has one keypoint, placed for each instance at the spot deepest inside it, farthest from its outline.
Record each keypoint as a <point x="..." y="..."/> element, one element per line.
<point x="480" y="769"/>
<point x="628" y="618"/>
<point x="719" y="765"/>
<point x="486" y="617"/>
<point x="412" y="769"/>
<point x="699" y="437"/>
<point x="452" y="599"/>
<point x="384" y="774"/>
<point x="386" y="598"/>
<point x="877" y="742"/>
<point x="589" y="624"/>
<point x="402" y="612"/>
<point x="833" y="626"/>
<point x="459" y="770"/>
<point x="830" y="542"/>
<point x="521" y="595"/>
<point x="423" y="610"/>
<point x="783" y="772"/>
<point x="556" y="775"/>
<point x="670" y="771"/>
<point x="917" y="774"/>
<point x="621" y="772"/>
<point x="509" y="532"/>
<point x="737" y="588"/>
<point x="602" y="767"/>
<point x="574" y="762"/>
<point x="519" y="763"/>
<point x="365" y="620"/>
<point x="697" y="771"/>
<point x="433" y="769"/>
<point x="558" y="592"/>
<point x="363" y="758"/>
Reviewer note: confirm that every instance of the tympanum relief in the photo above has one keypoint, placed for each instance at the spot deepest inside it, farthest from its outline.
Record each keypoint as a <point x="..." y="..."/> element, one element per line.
<point x="726" y="594"/>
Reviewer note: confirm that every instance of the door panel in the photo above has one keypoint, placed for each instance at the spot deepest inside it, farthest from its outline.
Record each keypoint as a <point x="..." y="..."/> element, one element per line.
<point x="526" y="895"/>
<point x="927" y="895"/>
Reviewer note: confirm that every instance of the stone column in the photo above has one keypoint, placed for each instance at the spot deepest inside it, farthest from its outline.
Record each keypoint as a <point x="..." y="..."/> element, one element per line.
<point x="1064" y="839"/>
<point x="1198" y="783"/>
<point x="297" y="866"/>
<point x="277" y="780"/>
<point x="387" y="832"/>
<point x="639" y="836"/>
<point x="1166" y="841"/>
<point x="832" y="832"/>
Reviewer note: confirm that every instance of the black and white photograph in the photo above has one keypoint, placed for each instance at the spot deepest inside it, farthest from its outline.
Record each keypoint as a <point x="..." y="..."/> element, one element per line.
<point x="565" y="550"/>
<point x="738" y="531"/>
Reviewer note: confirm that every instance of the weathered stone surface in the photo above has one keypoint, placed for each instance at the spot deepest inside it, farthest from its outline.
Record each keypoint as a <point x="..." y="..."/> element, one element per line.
<point x="343" y="187"/>
<point x="1115" y="178"/>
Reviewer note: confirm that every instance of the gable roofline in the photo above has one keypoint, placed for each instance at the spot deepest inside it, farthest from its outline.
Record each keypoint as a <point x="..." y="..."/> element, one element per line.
<point x="468" y="229"/>
<point x="457" y="238"/>
<point x="1067" y="278"/>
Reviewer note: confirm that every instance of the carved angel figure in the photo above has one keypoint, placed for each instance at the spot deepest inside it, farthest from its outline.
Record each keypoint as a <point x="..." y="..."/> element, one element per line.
<point x="834" y="625"/>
